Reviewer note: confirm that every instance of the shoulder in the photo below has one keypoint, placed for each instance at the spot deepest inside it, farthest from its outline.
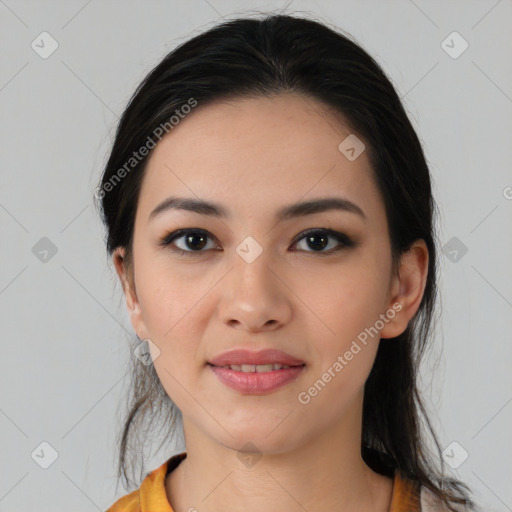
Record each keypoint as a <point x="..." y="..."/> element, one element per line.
<point x="128" y="503"/>
<point x="151" y="494"/>
<point x="429" y="502"/>
<point x="151" y="487"/>
<point x="409" y="495"/>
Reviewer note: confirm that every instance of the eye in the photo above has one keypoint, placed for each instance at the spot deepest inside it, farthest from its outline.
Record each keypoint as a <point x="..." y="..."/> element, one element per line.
<point x="190" y="241"/>
<point x="318" y="240"/>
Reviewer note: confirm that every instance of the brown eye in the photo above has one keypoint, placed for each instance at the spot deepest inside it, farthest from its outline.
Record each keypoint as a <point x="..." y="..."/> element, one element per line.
<point x="320" y="239"/>
<point x="188" y="241"/>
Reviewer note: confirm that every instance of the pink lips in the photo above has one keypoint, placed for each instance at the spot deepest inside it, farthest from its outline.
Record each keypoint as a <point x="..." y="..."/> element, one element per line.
<point x="268" y="356"/>
<point x="256" y="382"/>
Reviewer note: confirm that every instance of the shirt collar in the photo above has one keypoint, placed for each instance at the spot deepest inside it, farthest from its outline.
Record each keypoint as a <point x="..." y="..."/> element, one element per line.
<point x="153" y="496"/>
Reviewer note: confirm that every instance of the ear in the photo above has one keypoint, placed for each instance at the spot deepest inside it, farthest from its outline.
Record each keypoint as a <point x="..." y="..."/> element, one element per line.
<point x="406" y="290"/>
<point x="127" y="279"/>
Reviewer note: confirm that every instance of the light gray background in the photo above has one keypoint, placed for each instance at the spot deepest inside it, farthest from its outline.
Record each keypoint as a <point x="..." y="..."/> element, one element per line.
<point x="64" y="325"/>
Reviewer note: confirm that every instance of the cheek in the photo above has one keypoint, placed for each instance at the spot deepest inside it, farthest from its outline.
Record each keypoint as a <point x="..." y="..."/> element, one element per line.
<point x="174" y="316"/>
<point x="348" y="300"/>
<point x="336" y="382"/>
<point x="345" y="299"/>
<point x="170" y="296"/>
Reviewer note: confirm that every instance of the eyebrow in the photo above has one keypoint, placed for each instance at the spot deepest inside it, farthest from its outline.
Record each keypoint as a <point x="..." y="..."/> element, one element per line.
<point x="203" y="207"/>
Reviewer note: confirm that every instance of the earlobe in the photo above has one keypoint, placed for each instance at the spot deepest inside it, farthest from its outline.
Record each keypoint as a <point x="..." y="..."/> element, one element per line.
<point x="407" y="289"/>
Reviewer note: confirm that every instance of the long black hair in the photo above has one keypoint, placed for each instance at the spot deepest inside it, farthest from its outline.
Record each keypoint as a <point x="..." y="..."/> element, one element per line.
<point x="249" y="57"/>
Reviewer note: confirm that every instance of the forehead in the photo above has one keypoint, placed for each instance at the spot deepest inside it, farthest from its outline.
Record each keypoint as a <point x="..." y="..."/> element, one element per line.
<point x="257" y="152"/>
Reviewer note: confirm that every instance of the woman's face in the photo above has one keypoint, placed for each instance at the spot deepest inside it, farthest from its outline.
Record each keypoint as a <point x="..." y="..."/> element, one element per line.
<point x="251" y="279"/>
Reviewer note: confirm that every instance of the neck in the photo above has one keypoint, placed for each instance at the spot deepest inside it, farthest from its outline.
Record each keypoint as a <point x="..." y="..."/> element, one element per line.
<point x="325" y="472"/>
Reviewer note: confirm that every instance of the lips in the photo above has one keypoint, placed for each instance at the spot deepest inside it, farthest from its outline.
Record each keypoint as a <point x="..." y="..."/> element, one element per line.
<point x="256" y="383"/>
<point x="263" y="357"/>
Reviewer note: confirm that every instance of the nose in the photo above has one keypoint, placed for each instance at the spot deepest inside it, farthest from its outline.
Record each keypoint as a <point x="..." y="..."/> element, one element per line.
<point x="254" y="297"/>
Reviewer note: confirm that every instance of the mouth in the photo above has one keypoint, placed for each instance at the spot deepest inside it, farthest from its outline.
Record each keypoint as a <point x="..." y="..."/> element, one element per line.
<point x="257" y="368"/>
<point x="262" y="361"/>
<point x="256" y="379"/>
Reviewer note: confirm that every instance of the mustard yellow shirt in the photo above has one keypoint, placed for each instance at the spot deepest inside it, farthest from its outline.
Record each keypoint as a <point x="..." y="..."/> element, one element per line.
<point x="151" y="495"/>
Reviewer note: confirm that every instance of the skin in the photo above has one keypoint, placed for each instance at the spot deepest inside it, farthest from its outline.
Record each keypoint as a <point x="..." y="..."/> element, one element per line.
<point x="254" y="156"/>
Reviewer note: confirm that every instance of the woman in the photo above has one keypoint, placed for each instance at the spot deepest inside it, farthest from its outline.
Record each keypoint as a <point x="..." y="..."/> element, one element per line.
<point x="269" y="213"/>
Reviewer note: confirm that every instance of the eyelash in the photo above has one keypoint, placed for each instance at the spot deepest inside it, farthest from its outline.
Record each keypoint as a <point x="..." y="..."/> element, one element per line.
<point x="344" y="240"/>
